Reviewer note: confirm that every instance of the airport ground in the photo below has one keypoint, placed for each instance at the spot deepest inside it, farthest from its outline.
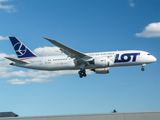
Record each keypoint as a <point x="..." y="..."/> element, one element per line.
<point x="110" y="116"/>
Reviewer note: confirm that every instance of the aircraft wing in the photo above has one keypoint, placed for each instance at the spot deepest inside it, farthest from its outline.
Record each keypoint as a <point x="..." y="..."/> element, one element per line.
<point x="69" y="51"/>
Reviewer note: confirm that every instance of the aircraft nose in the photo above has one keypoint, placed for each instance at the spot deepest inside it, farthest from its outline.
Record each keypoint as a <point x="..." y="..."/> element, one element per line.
<point x="154" y="59"/>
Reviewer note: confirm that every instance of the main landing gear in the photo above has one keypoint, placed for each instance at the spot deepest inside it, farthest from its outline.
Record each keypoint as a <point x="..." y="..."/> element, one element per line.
<point x="82" y="73"/>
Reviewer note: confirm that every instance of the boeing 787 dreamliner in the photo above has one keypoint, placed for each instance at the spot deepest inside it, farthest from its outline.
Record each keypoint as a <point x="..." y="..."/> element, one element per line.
<point x="98" y="62"/>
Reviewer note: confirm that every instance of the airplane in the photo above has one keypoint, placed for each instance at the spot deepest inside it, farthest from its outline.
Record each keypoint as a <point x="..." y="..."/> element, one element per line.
<point x="99" y="62"/>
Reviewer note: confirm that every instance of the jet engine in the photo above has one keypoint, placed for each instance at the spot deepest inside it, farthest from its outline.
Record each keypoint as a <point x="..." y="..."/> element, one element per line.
<point x="101" y="70"/>
<point x="102" y="62"/>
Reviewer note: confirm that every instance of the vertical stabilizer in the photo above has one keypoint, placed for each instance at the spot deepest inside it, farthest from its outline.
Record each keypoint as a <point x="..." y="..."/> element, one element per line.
<point x="22" y="51"/>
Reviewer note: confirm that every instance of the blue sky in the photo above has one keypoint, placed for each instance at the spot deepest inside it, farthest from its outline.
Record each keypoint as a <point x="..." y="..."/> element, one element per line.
<point x="87" y="26"/>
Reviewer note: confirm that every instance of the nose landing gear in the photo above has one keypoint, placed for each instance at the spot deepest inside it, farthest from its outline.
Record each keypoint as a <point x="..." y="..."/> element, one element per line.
<point x="82" y="73"/>
<point x="143" y="65"/>
<point x="142" y="69"/>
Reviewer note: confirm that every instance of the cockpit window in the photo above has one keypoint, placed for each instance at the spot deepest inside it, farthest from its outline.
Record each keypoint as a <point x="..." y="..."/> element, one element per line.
<point x="148" y="54"/>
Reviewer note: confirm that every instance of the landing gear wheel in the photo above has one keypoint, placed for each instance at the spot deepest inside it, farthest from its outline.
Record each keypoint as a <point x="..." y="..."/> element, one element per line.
<point x="85" y="75"/>
<point x="82" y="73"/>
<point x="80" y="76"/>
<point x="142" y="69"/>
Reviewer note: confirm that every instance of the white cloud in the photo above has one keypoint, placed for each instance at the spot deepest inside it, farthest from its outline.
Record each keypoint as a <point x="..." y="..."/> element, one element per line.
<point x="27" y="81"/>
<point x="4" y="69"/>
<point x="3" y="55"/>
<point x="3" y="61"/>
<point x="48" y="51"/>
<point x="36" y="76"/>
<point x="26" y="76"/>
<point x="131" y="3"/>
<point x="151" y="30"/>
<point x="4" y="0"/>
<point x="3" y="38"/>
<point x="7" y="8"/>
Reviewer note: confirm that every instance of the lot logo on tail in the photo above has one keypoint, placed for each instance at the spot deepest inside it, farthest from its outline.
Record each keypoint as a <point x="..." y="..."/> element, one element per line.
<point x="20" y="49"/>
<point x="126" y="57"/>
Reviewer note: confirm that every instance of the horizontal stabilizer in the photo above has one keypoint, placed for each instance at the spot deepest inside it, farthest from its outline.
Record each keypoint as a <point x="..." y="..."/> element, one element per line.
<point x="16" y="60"/>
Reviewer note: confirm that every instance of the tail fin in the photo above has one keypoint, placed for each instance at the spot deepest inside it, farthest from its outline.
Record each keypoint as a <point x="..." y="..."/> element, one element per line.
<point x="21" y="50"/>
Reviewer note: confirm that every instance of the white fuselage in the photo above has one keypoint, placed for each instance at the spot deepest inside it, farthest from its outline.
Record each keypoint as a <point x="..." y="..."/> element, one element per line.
<point x="63" y="62"/>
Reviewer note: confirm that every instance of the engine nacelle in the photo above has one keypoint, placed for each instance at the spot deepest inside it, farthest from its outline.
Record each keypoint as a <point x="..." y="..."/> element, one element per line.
<point x="101" y="70"/>
<point x="102" y="62"/>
